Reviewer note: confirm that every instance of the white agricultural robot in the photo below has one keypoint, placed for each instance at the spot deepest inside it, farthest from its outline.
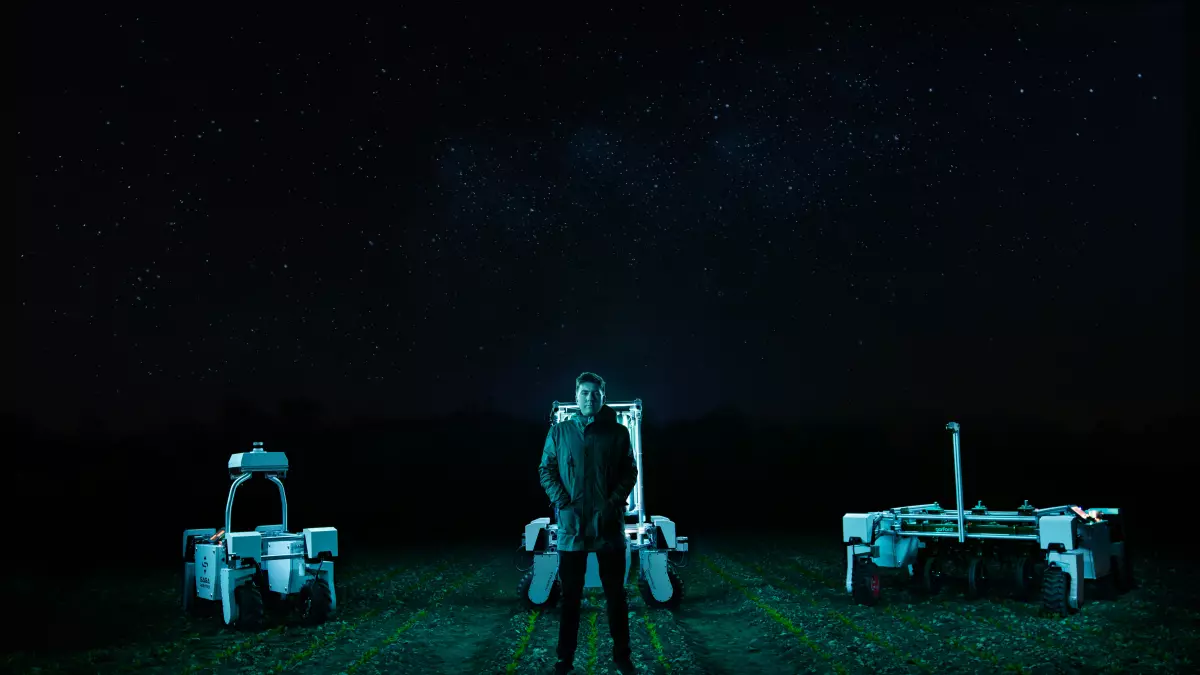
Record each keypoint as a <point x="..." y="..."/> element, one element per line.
<point x="651" y="541"/>
<point x="1052" y="550"/>
<point x="236" y="569"/>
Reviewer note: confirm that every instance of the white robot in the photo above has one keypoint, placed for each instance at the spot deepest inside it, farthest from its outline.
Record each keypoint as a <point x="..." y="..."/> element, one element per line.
<point x="1049" y="551"/>
<point x="650" y="540"/>
<point x="235" y="569"/>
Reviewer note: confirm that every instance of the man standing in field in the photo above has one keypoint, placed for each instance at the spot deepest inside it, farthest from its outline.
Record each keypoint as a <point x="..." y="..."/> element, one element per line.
<point x="588" y="471"/>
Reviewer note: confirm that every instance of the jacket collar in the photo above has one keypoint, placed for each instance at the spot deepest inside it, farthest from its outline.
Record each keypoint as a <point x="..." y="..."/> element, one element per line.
<point x="605" y="414"/>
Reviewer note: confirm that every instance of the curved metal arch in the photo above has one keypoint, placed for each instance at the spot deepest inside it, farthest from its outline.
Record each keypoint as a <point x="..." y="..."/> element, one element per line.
<point x="237" y="482"/>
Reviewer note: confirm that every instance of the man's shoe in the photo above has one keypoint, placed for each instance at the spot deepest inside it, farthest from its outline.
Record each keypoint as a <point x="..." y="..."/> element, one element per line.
<point x="563" y="668"/>
<point x="625" y="666"/>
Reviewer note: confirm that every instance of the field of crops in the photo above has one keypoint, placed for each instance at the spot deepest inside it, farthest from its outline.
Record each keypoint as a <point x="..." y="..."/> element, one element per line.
<point x="748" y="609"/>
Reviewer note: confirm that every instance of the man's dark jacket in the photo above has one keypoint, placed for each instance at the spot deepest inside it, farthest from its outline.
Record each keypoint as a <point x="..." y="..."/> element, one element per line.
<point x="588" y="471"/>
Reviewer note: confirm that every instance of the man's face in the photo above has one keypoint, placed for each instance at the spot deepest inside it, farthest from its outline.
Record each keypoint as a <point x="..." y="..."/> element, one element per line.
<point x="590" y="398"/>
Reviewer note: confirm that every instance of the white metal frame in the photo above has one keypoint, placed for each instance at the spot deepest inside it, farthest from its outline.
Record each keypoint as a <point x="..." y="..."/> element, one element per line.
<point x="1070" y="537"/>
<point x="213" y="570"/>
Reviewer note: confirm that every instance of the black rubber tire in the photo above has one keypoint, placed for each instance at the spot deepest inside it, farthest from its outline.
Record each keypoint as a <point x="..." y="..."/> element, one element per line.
<point x="1122" y="574"/>
<point x="316" y="602"/>
<point x="522" y="559"/>
<point x="865" y="585"/>
<point x="912" y="573"/>
<point x="676" y="592"/>
<point x="251" y="611"/>
<point x="204" y="609"/>
<point x="931" y="575"/>
<point x="1056" y="587"/>
<point x="1025" y="577"/>
<point x="977" y="578"/>
<point x="189" y="593"/>
<point x="523" y="592"/>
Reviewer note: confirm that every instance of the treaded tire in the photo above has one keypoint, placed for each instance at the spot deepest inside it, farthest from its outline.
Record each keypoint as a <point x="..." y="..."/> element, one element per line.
<point x="865" y="584"/>
<point x="316" y="602"/>
<point x="199" y="608"/>
<point x="977" y="578"/>
<point x="1122" y="574"/>
<point x="931" y="575"/>
<point x="677" y="591"/>
<point x="1025" y="577"/>
<point x="250" y="607"/>
<point x="523" y="591"/>
<point x="1056" y="585"/>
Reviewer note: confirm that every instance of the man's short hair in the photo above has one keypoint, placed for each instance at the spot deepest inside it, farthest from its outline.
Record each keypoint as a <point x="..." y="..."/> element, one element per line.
<point x="589" y="377"/>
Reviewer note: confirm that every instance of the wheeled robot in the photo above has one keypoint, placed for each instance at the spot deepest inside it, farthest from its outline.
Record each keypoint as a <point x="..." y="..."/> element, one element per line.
<point x="237" y="570"/>
<point x="1046" y="554"/>
<point x="650" y="541"/>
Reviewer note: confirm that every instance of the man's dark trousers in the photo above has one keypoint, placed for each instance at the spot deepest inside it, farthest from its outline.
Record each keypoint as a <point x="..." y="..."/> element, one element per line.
<point x="572" y="567"/>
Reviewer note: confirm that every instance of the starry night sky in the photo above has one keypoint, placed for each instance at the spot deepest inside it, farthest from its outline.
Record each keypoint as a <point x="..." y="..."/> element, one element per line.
<point x="831" y="212"/>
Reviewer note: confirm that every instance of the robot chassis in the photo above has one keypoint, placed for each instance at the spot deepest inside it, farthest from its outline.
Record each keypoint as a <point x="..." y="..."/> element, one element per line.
<point x="1053" y="550"/>
<point x="236" y="569"/>
<point x="651" y="541"/>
